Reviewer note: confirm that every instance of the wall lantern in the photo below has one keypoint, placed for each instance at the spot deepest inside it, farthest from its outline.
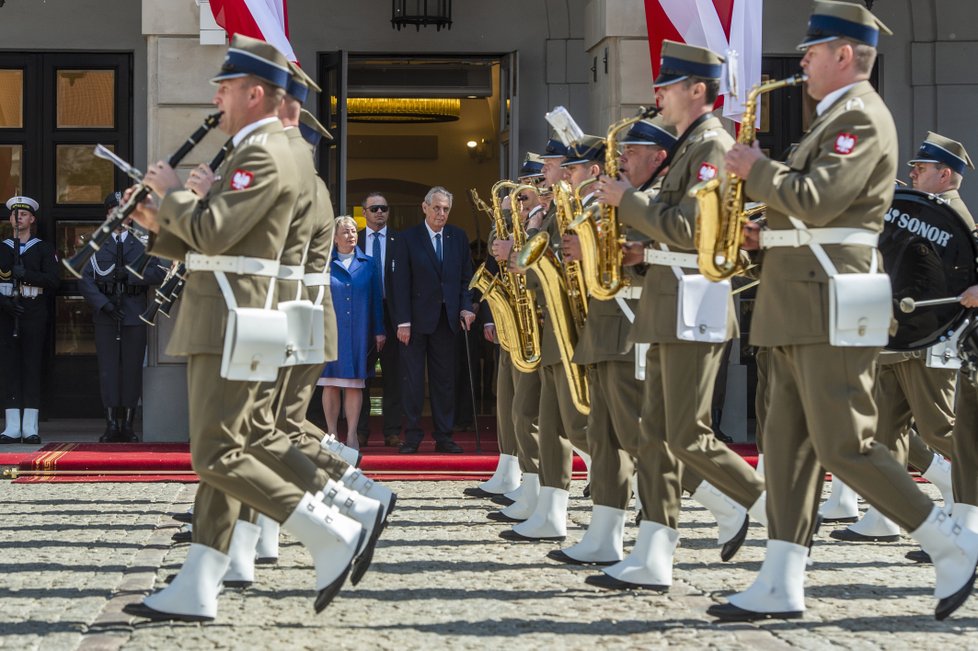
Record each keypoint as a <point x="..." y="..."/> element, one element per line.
<point x="421" y="13"/>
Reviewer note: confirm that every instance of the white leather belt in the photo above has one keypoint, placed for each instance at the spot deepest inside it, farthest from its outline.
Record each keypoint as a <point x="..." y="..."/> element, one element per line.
<point x="670" y="258"/>
<point x="290" y="271"/>
<point x="795" y="238"/>
<point x="26" y="291"/>
<point x="234" y="264"/>
<point x="630" y="293"/>
<point x="317" y="279"/>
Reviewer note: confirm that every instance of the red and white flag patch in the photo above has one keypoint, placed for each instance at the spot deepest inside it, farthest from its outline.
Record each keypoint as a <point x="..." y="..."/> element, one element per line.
<point x="707" y="172"/>
<point x="241" y="179"/>
<point x="845" y="143"/>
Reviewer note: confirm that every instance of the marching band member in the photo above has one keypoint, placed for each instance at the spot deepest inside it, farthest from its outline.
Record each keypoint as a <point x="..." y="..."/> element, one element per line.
<point x="837" y="185"/>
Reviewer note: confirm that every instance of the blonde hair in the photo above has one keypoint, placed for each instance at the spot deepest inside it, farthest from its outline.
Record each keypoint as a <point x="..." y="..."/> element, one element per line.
<point x="345" y="220"/>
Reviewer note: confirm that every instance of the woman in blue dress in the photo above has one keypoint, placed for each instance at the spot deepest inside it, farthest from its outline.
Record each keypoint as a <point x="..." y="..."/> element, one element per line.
<point x="358" y="302"/>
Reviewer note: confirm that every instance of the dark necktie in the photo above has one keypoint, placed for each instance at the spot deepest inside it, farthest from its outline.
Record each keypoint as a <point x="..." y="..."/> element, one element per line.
<point x="119" y="258"/>
<point x="375" y="248"/>
<point x="438" y="246"/>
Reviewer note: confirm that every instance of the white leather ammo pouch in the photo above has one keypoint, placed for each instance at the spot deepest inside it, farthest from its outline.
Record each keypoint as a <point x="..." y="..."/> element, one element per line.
<point x="860" y="304"/>
<point x="944" y="354"/>
<point x="702" y="309"/>
<point x="255" y="339"/>
<point x="306" y="335"/>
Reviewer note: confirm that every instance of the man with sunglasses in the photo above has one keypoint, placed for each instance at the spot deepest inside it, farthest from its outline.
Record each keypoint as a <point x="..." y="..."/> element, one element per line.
<point x="378" y="241"/>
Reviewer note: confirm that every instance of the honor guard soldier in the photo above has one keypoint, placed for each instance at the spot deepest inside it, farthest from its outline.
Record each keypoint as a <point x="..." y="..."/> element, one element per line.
<point x="28" y="269"/>
<point x="682" y="362"/>
<point x="907" y="387"/>
<point x="239" y="229"/>
<point x="825" y="210"/>
<point x="965" y="437"/>
<point x="117" y="298"/>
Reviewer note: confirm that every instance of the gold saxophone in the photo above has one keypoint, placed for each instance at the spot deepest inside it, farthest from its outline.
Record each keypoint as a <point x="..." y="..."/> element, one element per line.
<point x="719" y="231"/>
<point x="598" y="229"/>
<point x="513" y="306"/>
<point x="565" y="292"/>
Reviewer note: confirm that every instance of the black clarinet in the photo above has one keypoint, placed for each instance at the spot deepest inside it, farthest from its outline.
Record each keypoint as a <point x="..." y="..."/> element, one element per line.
<point x="171" y="288"/>
<point x="15" y="297"/>
<point x="77" y="262"/>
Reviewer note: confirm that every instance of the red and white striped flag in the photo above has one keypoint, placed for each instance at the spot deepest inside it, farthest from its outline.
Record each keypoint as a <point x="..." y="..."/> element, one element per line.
<point x="267" y="20"/>
<point x="724" y="26"/>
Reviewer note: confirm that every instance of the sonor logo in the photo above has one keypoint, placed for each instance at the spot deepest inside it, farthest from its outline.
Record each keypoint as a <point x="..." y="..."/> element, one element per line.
<point x="932" y="233"/>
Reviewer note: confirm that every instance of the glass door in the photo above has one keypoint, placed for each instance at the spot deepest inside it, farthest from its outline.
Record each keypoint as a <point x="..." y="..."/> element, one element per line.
<point x="332" y="113"/>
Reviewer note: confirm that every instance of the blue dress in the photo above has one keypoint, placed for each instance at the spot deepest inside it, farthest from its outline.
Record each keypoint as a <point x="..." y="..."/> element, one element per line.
<point x="358" y="302"/>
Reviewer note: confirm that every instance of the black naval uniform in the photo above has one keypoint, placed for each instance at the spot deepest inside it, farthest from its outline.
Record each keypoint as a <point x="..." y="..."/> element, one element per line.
<point x="118" y="297"/>
<point x="20" y="357"/>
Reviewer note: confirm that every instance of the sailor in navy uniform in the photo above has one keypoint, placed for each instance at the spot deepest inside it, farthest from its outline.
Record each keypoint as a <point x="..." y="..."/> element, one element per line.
<point x="117" y="298"/>
<point x="25" y="275"/>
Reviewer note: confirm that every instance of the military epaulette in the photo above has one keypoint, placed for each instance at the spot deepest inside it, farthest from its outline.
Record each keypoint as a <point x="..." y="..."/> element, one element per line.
<point x="709" y="133"/>
<point x="257" y="139"/>
<point x="855" y="103"/>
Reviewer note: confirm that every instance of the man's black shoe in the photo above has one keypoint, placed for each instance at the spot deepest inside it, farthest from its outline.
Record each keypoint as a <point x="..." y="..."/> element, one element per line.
<point x="408" y="448"/>
<point x="918" y="556"/>
<point x="447" y="446"/>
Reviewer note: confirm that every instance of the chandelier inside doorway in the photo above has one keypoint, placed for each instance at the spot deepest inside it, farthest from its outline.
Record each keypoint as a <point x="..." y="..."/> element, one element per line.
<point x="399" y="110"/>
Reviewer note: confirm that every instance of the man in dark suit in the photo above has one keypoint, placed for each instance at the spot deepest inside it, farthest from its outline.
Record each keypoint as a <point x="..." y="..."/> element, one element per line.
<point x="379" y="242"/>
<point x="430" y="277"/>
<point x="117" y="298"/>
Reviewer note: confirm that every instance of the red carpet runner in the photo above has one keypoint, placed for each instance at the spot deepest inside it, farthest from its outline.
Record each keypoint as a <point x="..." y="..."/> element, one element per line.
<point x="159" y="462"/>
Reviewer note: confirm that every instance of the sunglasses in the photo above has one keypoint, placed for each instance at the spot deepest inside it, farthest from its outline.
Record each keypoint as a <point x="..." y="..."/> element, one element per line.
<point x="378" y="208"/>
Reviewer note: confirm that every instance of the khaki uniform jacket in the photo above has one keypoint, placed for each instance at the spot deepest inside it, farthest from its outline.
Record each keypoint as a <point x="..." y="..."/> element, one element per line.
<point x="250" y="221"/>
<point x="320" y="253"/>
<point x="840" y="176"/>
<point x="670" y="219"/>
<point x="303" y="219"/>
<point x="549" y="351"/>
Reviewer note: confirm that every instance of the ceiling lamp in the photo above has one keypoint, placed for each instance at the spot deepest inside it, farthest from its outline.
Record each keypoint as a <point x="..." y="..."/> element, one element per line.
<point x="393" y="110"/>
<point x="421" y="13"/>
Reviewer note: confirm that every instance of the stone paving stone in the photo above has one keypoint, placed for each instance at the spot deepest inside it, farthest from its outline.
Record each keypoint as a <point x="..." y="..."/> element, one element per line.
<point x="441" y="578"/>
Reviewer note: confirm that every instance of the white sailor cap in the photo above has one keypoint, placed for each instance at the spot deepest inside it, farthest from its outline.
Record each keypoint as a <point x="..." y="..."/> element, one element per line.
<point x="24" y="203"/>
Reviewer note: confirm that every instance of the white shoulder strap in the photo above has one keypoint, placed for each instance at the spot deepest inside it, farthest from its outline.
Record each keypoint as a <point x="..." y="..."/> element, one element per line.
<point x="822" y="256"/>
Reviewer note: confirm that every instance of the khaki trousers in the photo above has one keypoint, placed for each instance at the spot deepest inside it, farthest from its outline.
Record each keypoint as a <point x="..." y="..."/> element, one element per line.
<point x="762" y="396"/>
<point x="822" y="417"/>
<point x="561" y="426"/>
<point x="909" y="391"/>
<point x="678" y="395"/>
<point x="505" y="418"/>
<point x="221" y="423"/>
<point x="526" y="413"/>
<point x="612" y="431"/>
<point x="964" y="470"/>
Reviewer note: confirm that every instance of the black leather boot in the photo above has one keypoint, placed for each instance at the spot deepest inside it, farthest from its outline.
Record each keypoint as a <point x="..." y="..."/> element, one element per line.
<point x="128" y="434"/>
<point x="111" y="434"/>
<point x="716" y="415"/>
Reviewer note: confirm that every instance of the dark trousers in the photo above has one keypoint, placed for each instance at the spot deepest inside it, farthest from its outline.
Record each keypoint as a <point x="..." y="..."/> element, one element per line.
<point x="120" y="363"/>
<point x="436" y="351"/>
<point x="390" y="381"/>
<point x="21" y="358"/>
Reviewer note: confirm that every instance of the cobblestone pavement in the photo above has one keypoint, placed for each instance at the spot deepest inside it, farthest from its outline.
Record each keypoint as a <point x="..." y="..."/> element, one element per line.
<point x="74" y="554"/>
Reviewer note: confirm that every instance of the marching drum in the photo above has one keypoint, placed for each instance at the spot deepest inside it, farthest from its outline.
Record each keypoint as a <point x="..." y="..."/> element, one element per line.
<point x="929" y="252"/>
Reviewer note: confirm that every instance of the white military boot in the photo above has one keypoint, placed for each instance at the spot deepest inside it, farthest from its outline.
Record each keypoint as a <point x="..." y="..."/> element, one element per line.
<point x="355" y="480"/>
<point x="937" y="473"/>
<point x="241" y="551"/>
<point x="344" y="452"/>
<point x="872" y="527"/>
<point x="601" y="543"/>
<point x="331" y="538"/>
<point x="523" y="507"/>
<point x="842" y="505"/>
<point x="28" y="427"/>
<point x="732" y="519"/>
<point x="648" y="566"/>
<point x="758" y="510"/>
<point x="267" y="548"/>
<point x="549" y="519"/>
<point x="11" y="432"/>
<point x="506" y="478"/>
<point x="192" y="596"/>
<point x="778" y="591"/>
<point x="953" y="547"/>
<point x="368" y="512"/>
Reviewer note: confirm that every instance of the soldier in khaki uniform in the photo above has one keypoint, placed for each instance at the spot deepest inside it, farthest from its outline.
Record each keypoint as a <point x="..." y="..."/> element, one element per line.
<point x="906" y="388"/>
<point x="837" y="184"/>
<point x="680" y="374"/>
<point x="965" y="440"/>
<point x="239" y="229"/>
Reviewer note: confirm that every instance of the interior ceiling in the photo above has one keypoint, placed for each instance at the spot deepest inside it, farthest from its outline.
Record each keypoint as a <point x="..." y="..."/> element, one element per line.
<point x="416" y="77"/>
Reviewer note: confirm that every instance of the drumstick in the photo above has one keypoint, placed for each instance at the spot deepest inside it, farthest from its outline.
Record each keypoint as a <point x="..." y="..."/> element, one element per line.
<point x="908" y="304"/>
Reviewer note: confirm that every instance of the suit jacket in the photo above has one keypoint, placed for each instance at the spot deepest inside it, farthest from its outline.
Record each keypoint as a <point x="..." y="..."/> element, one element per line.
<point x="392" y="241"/>
<point x="102" y="269"/>
<point x="422" y="285"/>
<point x="246" y="213"/>
<point x="840" y="176"/>
<point x="359" y="315"/>
<point x="670" y="218"/>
